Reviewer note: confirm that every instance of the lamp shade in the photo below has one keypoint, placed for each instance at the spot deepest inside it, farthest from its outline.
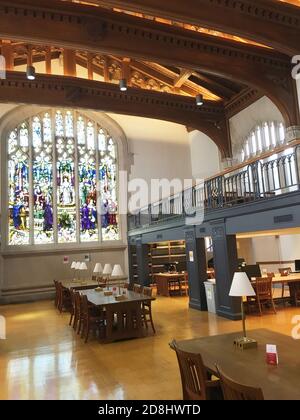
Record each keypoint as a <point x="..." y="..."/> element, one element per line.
<point x="74" y="264"/>
<point x="107" y="270"/>
<point x="78" y="264"/>
<point x="117" y="271"/>
<point x="98" y="268"/>
<point x="241" y="286"/>
<point x="83" y="266"/>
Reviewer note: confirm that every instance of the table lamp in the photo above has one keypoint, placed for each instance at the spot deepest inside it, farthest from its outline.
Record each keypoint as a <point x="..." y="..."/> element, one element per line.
<point x="83" y="267"/>
<point x="107" y="270"/>
<point x="98" y="270"/>
<point x="241" y="287"/>
<point x="77" y="268"/>
<point x="117" y="272"/>
<point x="73" y="267"/>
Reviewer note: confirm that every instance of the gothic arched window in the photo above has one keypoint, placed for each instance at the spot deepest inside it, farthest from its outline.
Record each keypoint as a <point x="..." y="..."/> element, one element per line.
<point x="263" y="137"/>
<point x="62" y="181"/>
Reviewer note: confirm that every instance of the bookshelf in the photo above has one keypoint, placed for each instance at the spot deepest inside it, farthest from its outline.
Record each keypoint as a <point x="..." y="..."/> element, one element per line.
<point x="133" y="264"/>
<point x="169" y="252"/>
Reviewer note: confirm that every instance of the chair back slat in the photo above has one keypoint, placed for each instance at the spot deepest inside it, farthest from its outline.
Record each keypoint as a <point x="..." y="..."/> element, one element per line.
<point x="263" y="286"/>
<point x="193" y="374"/>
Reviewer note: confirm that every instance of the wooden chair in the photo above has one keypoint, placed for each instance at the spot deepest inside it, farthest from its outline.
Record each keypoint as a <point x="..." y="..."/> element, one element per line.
<point x="174" y="286"/>
<point x="195" y="381"/>
<point x="137" y="288"/>
<point x="147" y="309"/>
<point x="233" y="391"/>
<point x="73" y="309"/>
<point x="284" y="272"/>
<point x="64" y="299"/>
<point x="184" y="285"/>
<point x="57" y="293"/>
<point x="91" y="321"/>
<point x="264" y="293"/>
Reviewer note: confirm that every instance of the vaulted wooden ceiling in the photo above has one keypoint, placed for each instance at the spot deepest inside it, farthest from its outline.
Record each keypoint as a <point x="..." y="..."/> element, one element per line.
<point x="140" y="74"/>
<point x="232" y="52"/>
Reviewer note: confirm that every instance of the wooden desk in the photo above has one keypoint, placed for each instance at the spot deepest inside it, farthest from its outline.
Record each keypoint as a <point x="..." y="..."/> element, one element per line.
<point x="291" y="278"/>
<point x="80" y="285"/>
<point x="124" y="319"/>
<point x="163" y="281"/>
<point x="249" y="367"/>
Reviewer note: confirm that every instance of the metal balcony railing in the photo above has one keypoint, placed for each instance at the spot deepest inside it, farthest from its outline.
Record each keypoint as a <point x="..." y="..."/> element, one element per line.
<point x="272" y="174"/>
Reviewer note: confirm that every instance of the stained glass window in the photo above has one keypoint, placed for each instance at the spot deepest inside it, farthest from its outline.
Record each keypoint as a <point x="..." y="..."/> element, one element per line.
<point x="62" y="179"/>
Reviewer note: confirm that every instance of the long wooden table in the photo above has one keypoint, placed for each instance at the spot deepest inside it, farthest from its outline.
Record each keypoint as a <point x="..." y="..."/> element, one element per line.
<point x="80" y="285"/>
<point x="249" y="367"/>
<point x="124" y="318"/>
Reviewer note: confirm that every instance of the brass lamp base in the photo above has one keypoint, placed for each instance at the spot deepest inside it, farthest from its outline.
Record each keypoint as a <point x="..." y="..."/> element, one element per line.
<point x="244" y="343"/>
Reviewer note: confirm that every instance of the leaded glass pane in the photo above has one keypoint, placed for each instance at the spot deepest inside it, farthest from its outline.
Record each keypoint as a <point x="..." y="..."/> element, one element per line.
<point x="80" y="130"/>
<point x="42" y="184"/>
<point x="88" y="194"/>
<point x="59" y="124"/>
<point x="108" y="194"/>
<point x="69" y="124"/>
<point x="66" y="196"/>
<point x="18" y="187"/>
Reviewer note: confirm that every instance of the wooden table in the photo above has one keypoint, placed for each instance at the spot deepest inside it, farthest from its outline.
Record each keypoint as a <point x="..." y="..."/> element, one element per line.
<point x="124" y="319"/>
<point x="249" y="367"/>
<point x="80" y="285"/>
<point x="163" y="281"/>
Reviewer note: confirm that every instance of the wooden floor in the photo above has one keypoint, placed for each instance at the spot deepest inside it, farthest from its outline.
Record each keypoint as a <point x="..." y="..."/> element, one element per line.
<point x="43" y="359"/>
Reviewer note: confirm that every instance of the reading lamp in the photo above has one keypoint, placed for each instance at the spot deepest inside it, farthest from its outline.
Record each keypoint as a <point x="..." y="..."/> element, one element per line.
<point x="241" y="287"/>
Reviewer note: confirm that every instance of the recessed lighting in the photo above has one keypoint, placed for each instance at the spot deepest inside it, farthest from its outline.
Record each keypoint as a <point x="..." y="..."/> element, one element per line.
<point x="123" y="85"/>
<point x="199" y="100"/>
<point x="30" y="73"/>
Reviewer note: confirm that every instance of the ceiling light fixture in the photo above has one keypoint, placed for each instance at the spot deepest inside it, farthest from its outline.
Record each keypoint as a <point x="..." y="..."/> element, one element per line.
<point x="123" y="85"/>
<point x="30" y="73"/>
<point x="199" y="100"/>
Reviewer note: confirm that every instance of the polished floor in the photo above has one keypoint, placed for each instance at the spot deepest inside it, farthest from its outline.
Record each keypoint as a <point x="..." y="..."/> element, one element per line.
<point x="43" y="359"/>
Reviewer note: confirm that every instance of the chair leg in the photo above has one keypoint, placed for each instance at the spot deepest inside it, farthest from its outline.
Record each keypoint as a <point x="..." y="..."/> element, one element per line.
<point x="87" y="332"/>
<point x="282" y="290"/>
<point x="273" y="306"/>
<point x="71" y="318"/>
<point x="152" y="323"/>
<point x="259" y="307"/>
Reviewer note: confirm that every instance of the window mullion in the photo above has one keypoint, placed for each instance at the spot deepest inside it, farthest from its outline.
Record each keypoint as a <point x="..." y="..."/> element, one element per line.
<point x="98" y="196"/>
<point x="76" y="169"/>
<point x="54" y="160"/>
<point x="31" y="191"/>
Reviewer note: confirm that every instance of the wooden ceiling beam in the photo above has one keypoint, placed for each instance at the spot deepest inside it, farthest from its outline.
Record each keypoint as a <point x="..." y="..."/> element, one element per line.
<point x="75" y="26"/>
<point x="216" y="87"/>
<point x="182" y="78"/>
<point x="65" y="91"/>
<point x="146" y="70"/>
<point x="268" y="22"/>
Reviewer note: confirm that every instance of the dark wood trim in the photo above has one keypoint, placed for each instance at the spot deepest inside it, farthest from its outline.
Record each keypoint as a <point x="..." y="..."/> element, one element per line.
<point x="269" y="22"/>
<point x="241" y="101"/>
<point x="81" y="93"/>
<point x="76" y="26"/>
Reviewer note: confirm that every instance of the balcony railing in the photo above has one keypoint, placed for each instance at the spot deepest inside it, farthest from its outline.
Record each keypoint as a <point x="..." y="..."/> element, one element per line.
<point x="272" y="174"/>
